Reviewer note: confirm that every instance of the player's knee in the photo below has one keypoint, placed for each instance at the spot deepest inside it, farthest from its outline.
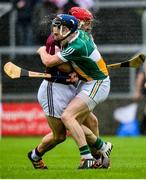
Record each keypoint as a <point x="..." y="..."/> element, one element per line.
<point x="94" y="121"/>
<point x="65" y="117"/>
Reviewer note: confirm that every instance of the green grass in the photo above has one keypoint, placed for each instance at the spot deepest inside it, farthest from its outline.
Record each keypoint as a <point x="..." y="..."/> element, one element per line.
<point x="128" y="160"/>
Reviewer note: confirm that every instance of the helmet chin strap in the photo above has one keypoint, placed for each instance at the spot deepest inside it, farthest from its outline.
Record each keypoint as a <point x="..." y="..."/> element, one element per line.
<point x="81" y="23"/>
<point x="65" y="35"/>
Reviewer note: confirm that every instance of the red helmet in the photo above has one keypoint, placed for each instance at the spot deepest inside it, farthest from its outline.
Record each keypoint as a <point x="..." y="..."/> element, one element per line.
<point x="81" y="14"/>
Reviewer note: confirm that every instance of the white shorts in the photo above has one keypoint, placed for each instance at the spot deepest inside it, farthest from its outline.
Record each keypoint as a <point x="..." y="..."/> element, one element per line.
<point x="93" y="92"/>
<point x="54" y="97"/>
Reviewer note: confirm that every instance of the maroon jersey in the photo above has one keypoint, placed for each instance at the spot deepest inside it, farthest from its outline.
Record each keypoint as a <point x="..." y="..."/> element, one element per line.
<point x="50" y="45"/>
<point x="57" y="76"/>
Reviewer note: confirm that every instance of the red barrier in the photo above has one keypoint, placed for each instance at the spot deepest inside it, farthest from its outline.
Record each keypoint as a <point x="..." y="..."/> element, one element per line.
<point x="23" y="119"/>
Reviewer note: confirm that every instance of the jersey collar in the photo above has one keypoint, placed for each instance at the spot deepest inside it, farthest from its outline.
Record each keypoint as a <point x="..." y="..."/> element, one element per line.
<point x="74" y="38"/>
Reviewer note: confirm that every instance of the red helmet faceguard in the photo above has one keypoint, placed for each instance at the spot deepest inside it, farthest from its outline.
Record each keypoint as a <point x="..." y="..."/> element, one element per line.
<point x="81" y="14"/>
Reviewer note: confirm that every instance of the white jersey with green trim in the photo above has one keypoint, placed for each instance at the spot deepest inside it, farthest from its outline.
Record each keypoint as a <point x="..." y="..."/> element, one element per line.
<point x="84" y="57"/>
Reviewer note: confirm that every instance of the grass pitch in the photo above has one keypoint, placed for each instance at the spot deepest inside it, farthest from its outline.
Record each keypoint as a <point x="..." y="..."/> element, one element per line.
<point x="128" y="160"/>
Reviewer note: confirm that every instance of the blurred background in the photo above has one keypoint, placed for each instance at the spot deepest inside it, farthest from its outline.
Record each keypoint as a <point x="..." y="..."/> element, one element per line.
<point x="119" y="32"/>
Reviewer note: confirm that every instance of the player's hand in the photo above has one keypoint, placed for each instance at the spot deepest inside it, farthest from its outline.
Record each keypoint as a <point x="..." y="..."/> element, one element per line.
<point x="145" y="85"/>
<point x="73" y="77"/>
<point x="41" y="49"/>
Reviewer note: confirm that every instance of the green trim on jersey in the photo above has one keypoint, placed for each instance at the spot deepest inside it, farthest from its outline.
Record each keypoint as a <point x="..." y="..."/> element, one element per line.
<point x="80" y="52"/>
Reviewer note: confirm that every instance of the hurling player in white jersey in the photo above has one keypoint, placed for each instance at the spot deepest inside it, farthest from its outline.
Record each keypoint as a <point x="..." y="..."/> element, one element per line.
<point x="80" y="50"/>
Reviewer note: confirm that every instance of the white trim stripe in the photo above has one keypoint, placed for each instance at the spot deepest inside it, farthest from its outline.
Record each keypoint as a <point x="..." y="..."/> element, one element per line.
<point x="61" y="57"/>
<point x="68" y="49"/>
<point x="95" y="55"/>
<point x="67" y="53"/>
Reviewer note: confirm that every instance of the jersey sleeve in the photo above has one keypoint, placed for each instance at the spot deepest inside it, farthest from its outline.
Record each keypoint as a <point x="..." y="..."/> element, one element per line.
<point x="68" y="54"/>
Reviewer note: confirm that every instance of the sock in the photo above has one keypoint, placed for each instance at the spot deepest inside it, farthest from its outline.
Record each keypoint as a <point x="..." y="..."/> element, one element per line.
<point x="103" y="146"/>
<point x="99" y="144"/>
<point x="35" y="155"/>
<point x="38" y="153"/>
<point x="85" y="152"/>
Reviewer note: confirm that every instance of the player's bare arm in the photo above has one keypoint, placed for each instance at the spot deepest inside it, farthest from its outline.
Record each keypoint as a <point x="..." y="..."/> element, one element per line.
<point x="47" y="59"/>
<point x="53" y="60"/>
<point x="65" y="67"/>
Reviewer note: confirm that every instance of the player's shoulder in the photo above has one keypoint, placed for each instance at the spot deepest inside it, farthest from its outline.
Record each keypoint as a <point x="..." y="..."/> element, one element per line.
<point x="79" y="40"/>
<point x="85" y="38"/>
<point x="84" y="34"/>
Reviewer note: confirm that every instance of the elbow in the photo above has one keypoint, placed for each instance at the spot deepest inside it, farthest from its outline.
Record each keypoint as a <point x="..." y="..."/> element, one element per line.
<point x="49" y="63"/>
<point x="46" y="63"/>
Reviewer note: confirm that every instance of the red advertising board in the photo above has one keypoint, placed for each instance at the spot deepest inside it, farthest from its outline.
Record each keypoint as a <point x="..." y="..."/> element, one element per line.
<point x="23" y="119"/>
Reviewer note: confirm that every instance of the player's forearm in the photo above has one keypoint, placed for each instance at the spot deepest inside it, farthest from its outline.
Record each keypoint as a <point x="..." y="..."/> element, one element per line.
<point x="139" y="82"/>
<point x="145" y="85"/>
<point x="47" y="59"/>
<point x="139" y="85"/>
